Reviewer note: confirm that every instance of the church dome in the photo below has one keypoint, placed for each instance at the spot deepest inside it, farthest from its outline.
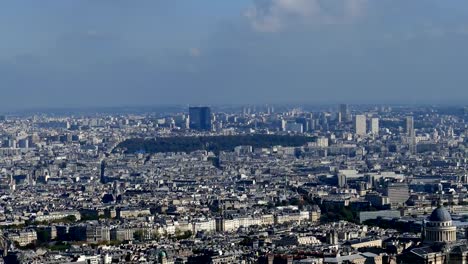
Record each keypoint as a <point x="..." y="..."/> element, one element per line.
<point x="440" y="214"/>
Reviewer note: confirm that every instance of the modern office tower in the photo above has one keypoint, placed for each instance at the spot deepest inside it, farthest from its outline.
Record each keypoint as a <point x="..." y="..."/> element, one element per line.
<point x="304" y="122"/>
<point x="360" y="125"/>
<point x="270" y="109"/>
<point x="411" y="134"/>
<point x="398" y="193"/>
<point x="312" y="124"/>
<point x="409" y="126"/>
<point x="374" y="126"/>
<point x="200" y="118"/>
<point x="247" y="110"/>
<point x="344" y="112"/>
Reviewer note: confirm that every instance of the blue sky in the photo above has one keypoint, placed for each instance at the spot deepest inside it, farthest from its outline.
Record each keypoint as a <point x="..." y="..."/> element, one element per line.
<point x="58" y="53"/>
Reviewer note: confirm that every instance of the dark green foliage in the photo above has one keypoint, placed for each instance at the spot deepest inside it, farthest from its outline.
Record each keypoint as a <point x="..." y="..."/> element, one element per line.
<point x="89" y="218"/>
<point x="210" y="143"/>
<point x="70" y="219"/>
<point x="246" y="241"/>
<point x="187" y="234"/>
<point x="138" y="235"/>
<point x="43" y="235"/>
<point x="393" y="224"/>
<point x="333" y="213"/>
<point x="59" y="246"/>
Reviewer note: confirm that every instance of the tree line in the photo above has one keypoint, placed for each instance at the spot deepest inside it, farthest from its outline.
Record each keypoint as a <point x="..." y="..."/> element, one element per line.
<point x="209" y="143"/>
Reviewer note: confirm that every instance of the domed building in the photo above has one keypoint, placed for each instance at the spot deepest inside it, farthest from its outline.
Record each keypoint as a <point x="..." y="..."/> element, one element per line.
<point x="440" y="245"/>
<point x="439" y="227"/>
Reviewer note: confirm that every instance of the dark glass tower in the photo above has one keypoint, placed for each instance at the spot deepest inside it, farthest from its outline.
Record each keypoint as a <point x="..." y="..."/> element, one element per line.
<point x="200" y="118"/>
<point x="344" y="111"/>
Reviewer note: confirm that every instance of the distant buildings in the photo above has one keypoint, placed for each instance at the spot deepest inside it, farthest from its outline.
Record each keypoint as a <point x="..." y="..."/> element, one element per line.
<point x="292" y="126"/>
<point x="409" y="126"/>
<point x="398" y="193"/>
<point x="200" y="118"/>
<point x="343" y="114"/>
<point x="411" y="134"/>
<point x="276" y="195"/>
<point x="360" y="125"/>
<point x="342" y="180"/>
<point x="374" y="126"/>
<point x="54" y="125"/>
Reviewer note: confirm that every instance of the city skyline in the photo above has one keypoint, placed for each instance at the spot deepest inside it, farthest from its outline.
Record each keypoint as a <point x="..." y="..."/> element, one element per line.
<point x="242" y="131"/>
<point x="251" y="184"/>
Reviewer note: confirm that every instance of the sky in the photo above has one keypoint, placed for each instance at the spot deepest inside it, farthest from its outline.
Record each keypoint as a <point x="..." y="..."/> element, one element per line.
<point x="91" y="53"/>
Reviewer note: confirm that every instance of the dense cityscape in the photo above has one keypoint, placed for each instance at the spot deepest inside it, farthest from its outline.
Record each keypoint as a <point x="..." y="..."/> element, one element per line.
<point x="260" y="184"/>
<point x="233" y="132"/>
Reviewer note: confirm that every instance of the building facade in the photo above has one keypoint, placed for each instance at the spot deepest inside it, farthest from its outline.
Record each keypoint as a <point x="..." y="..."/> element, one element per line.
<point x="360" y="125"/>
<point x="200" y="118"/>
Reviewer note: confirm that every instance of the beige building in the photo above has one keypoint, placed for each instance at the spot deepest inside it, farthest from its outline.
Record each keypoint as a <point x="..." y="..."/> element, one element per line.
<point x="132" y="213"/>
<point x="360" y="125"/>
<point x="24" y="238"/>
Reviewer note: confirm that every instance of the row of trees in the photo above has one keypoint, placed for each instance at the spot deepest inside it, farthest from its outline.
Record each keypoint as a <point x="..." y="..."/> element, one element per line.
<point x="210" y="143"/>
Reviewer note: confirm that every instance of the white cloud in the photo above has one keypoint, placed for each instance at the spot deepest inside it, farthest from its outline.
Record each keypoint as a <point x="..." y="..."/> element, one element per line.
<point x="277" y="15"/>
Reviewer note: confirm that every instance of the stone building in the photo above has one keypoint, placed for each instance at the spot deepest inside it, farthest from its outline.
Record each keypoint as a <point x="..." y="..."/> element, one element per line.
<point x="439" y="227"/>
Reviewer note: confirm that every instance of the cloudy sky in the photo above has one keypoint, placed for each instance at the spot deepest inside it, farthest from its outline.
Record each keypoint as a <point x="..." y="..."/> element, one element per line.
<point x="58" y="53"/>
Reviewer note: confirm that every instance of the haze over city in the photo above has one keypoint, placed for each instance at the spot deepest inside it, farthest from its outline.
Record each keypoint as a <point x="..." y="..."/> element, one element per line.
<point x="112" y="53"/>
<point x="234" y="132"/>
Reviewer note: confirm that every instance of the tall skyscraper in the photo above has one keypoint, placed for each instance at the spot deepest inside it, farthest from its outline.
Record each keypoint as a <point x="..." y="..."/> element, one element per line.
<point x="409" y="126"/>
<point x="411" y="134"/>
<point x="374" y="126"/>
<point x="200" y="118"/>
<point x="360" y="125"/>
<point x="344" y="112"/>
